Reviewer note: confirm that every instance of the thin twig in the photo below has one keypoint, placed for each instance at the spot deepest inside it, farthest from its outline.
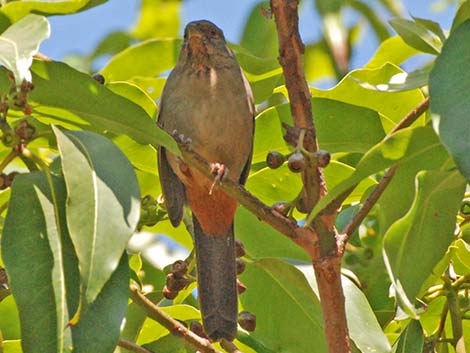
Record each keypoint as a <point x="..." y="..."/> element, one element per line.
<point x="174" y="326"/>
<point x="351" y="227"/>
<point x="131" y="346"/>
<point x="10" y="156"/>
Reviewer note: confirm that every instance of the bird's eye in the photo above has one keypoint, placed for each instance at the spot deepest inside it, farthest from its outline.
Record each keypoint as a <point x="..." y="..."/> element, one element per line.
<point x="213" y="32"/>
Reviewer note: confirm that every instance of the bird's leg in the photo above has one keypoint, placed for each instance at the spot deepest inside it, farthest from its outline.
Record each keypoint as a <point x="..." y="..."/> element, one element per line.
<point x="220" y="171"/>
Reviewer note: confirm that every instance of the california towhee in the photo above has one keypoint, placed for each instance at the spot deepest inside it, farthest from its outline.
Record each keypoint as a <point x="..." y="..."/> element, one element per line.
<point x="208" y="100"/>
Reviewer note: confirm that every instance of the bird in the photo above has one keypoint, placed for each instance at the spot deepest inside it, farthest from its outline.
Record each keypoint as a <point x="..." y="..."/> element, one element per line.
<point x="208" y="100"/>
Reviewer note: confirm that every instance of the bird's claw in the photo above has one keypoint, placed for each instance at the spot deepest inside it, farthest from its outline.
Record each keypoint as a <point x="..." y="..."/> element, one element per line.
<point x="220" y="171"/>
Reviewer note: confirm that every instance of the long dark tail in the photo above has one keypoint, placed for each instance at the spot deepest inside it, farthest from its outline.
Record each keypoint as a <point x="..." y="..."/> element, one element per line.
<point x="217" y="283"/>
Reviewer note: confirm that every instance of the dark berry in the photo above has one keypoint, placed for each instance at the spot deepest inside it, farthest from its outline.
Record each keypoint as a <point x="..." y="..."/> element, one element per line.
<point x="275" y="159"/>
<point x="197" y="328"/>
<point x="169" y="294"/>
<point x="179" y="268"/>
<point x="175" y="283"/>
<point x="99" y="78"/>
<point x="247" y="321"/>
<point x="241" y="287"/>
<point x="239" y="249"/>
<point x="323" y="158"/>
<point x="296" y="162"/>
<point x="240" y="266"/>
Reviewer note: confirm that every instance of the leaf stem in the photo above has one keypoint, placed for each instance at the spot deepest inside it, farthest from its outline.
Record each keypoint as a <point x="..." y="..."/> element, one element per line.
<point x="10" y="157"/>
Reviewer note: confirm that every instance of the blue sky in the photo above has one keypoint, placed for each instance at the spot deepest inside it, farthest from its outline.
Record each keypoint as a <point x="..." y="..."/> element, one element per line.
<point x="81" y="32"/>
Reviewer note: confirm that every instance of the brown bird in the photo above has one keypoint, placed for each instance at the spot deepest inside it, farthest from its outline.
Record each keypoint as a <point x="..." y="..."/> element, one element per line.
<point x="208" y="100"/>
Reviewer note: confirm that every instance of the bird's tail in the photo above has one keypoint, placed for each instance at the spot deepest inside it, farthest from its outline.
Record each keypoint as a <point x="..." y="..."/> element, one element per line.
<point x="217" y="283"/>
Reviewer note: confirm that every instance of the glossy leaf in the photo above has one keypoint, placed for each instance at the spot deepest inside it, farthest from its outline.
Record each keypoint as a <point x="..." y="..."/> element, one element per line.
<point x="448" y="86"/>
<point x="13" y="346"/>
<point x="102" y="205"/>
<point x="99" y="327"/>
<point x="431" y="216"/>
<point x="141" y="60"/>
<point x="34" y="257"/>
<point x="398" y="148"/>
<point x="9" y="319"/>
<point x="412" y="339"/>
<point x="20" y="42"/>
<point x="393" y="50"/>
<point x="317" y="62"/>
<point x="15" y="10"/>
<point x="416" y="35"/>
<point x="73" y="99"/>
<point x="288" y="306"/>
<point x="432" y="26"/>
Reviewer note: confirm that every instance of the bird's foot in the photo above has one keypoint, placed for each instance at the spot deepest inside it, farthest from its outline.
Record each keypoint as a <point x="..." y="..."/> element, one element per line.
<point x="220" y="171"/>
<point x="183" y="141"/>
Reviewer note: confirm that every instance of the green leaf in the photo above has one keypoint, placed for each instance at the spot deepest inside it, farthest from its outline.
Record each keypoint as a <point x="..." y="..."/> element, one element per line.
<point x="392" y="107"/>
<point x="282" y="300"/>
<point x="340" y="128"/>
<point x="432" y="26"/>
<point x="425" y="232"/>
<point x="401" y="82"/>
<point x="448" y="86"/>
<point x="259" y="29"/>
<point x="327" y="6"/>
<point x="412" y="339"/>
<point x="20" y="42"/>
<point x="158" y="19"/>
<point x="135" y="94"/>
<point x="148" y="58"/>
<point x="12" y="346"/>
<point x="399" y="195"/>
<point x="65" y="96"/>
<point x="15" y="10"/>
<point x="317" y="62"/>
<point x="364" y="329"/>
<point x="113" y="43"/>
<point x="393" y="50"/>
<point x="462" y="15"/>
<point x="170" y="344"/>
<point x="102" y="204"/>
<point x="99" y="327"/>
<point x="417" y="36"/>
<point x="9" y="319"/>
<point x="32" y="249"/>
<point x="398" y="148"/>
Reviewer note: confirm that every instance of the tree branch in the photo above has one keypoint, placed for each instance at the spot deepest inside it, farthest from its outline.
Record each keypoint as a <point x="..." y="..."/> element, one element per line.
<point x="131" y="346"/>
<point x="306" y="238"/>
<point x="291" y="50"/>
<point x="174" y="326"/>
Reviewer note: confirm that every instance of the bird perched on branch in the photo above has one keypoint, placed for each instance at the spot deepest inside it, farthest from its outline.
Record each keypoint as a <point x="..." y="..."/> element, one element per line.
<point x="208" y="100"/>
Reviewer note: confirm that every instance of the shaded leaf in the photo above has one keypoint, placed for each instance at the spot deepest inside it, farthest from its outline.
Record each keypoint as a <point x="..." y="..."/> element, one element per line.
<point x="288" y="313"/>
<point x="33" y="255"/>
<point x="448" y="87"/>
<point x="412" y="339"/>
<point x="102" y="205"/>
<point x="416" y="35"/>
<point x="99" y="327"/>
<point x="432" y="26"/>
<point x="431" y="216"/>
<point x="377" y="24"/>
<point x="462" y="15"/>
<point x="113" y="43"/>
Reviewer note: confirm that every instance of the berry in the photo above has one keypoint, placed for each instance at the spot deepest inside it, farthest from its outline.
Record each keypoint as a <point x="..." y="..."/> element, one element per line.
<point x="169" y="294"/>
<point x="174" y="283"/>
<point x="240" y="287"/>
<point x="247" y="321"/>
<point x="296" y="162"/>
<point x="99" y="78"/>
<point x="240" y="266"/>
<point x="179" y="268"/>
<point x="323" y="158"/>
<point x="197" y="328"/>
<point x="239" y="249"/>
<point x="275" y="159"/>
